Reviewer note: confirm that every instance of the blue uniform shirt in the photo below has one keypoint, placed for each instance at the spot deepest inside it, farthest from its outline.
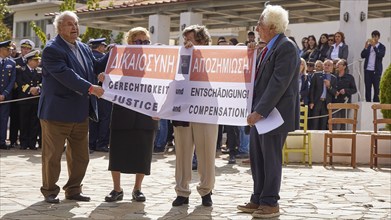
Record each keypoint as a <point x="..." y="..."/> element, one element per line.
<point x="7" y="77"/>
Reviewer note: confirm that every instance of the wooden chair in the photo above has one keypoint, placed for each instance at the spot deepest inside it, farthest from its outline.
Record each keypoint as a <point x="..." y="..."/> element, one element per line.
<point x="329" y="136"/>
<point x="305" y="148"/>
<point x="376" y="136"/>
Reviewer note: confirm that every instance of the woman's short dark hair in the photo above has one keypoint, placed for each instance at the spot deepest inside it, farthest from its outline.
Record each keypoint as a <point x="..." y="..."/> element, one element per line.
<point x="201" y="34"/>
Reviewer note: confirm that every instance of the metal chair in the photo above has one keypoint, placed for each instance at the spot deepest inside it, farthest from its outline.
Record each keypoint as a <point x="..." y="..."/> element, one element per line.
<point x="330" y="135"/>
<point x="305" y="148"/>
<point x="377" y="135"/>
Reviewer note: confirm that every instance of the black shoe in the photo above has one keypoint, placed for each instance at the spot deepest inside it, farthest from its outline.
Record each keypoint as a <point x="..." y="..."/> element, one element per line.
<point x="158" y="150"/>
<point x="79" y="197"/>
<point x="4" y="147"/>
<point x="194" y="166"/>
<point x="52" y="199"/>
<point x="207" y="199"/>
<point x="138" y="196"/>
<point x="33" y="148"/>
<point x="232" y="159"/>
<point x="114" y="196"/>
<point x="180" y="200"/>
<point x="102" y="149"/>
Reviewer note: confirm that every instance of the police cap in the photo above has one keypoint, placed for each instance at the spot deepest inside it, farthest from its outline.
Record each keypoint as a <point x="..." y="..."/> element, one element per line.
<point x="34" y="54"/>
<point x="6" y="44"/>
<point x="27" y="43"/>
<point x="97" y="41"/>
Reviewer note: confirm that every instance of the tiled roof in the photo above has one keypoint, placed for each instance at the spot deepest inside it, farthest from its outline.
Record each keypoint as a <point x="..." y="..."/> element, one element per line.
<point x="115" y="4"/>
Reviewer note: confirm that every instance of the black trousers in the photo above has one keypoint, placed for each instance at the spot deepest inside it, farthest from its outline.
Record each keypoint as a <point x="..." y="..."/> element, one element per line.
<point x="14" y="122"/>
<point x="371" y="78"/>
<point x="29" y="125"/>
<point x="266" y="166"/>
<point x="320" y="109"/>
<point x="233" y="138"/>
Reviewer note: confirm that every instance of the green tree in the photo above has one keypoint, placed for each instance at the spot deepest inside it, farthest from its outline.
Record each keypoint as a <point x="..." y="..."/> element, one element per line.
<point x="68" y="5"/>
<point x="118" y="39"/>
<point x="38" y="31"/>
<point x="385" y="93"/>
<point x="5" y="32"/>
<point x="95" y="32"/>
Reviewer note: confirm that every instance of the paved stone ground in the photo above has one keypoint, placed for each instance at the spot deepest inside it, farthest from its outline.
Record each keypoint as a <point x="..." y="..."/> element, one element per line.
<point x="307" y="192"/>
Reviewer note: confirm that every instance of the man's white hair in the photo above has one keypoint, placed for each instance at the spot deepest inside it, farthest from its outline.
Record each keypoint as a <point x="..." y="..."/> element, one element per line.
<point x="275" y="16"/>
<point x="60" y="17"/>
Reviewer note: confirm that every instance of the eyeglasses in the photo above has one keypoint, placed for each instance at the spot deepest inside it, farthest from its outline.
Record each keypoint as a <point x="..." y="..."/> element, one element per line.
<point x="331" y="40"/>
<point x="140" y="42"/>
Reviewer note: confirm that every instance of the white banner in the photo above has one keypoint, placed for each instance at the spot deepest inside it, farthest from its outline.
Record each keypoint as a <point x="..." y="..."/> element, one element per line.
<point x="207" y="84"/>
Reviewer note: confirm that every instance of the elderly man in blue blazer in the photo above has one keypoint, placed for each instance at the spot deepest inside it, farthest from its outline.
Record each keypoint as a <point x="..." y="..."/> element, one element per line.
<point x="373" y="53"/>
<point x="276" y="86"/>
<point x="68" y="99"/>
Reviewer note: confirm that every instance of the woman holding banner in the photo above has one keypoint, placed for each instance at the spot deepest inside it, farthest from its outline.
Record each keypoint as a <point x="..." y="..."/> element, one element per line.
<point x="199" y="135"/>
<point x="131" y="138"/>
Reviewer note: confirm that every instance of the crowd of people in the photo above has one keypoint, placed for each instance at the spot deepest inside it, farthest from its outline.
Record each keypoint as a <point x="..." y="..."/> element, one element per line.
<point x="324" y="76"/>
<point x="58" y="101"/>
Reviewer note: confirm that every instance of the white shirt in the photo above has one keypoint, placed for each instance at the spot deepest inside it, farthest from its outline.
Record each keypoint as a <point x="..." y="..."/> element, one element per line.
<point x="372" y="58"/>
<point x="334" y="53"/>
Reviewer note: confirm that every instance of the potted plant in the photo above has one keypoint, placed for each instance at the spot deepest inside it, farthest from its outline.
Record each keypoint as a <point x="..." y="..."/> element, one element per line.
<point x="385" y="93"/>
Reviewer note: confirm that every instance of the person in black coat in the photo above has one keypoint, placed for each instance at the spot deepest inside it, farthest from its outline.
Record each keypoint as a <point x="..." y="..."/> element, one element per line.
<point x="275" y="86"/>
<point x="131" y="138"/>
<point x="99" y="131"/>
<point x="373" y="53"/>
<point x="322" y="90"/>
<point x="29" y="79"/>
<point x="323" y="46"/>
<point x="304" y="83"/>
<point x="346" y="87"/>
<point x="26" y="45"/>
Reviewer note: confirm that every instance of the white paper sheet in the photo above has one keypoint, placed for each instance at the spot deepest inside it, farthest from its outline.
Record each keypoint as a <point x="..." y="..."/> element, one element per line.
<point x="273" y="121"/>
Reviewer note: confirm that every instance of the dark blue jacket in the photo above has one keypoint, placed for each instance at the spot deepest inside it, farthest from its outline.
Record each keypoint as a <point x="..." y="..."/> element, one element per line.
<point x="65" y="84"/>
<point x="7" y="77"/>
<point x="380" y="51"/>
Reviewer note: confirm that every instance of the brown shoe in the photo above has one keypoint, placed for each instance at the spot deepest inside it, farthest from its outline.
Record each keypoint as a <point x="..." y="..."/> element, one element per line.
<point x="248" y="207"/>
<point x="246" y="161"/>
<point x="265" y="211"/>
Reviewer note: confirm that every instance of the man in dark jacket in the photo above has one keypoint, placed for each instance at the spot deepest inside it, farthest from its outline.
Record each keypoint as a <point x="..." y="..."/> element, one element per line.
<point x="29" y="79"/>
<point x="276" y="86"/>
<point x="322" y="90"/>
<point x="373" y="53"/>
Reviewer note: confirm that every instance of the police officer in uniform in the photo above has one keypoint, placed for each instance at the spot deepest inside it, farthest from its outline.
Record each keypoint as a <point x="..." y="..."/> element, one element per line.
<point x="7" y="81"/>
<point x="29" y="80"/>
<point x="26" y="46"/>
<point x="99" y="132"/>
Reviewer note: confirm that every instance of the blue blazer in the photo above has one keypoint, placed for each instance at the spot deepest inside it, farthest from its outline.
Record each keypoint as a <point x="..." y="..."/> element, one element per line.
<point x="65" y="83"/>
<point x="7" y="78"/>
<point x="380" y="51"/>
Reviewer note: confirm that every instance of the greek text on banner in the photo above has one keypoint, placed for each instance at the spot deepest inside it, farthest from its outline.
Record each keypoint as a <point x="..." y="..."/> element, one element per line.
<point x="207" y="84"/>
